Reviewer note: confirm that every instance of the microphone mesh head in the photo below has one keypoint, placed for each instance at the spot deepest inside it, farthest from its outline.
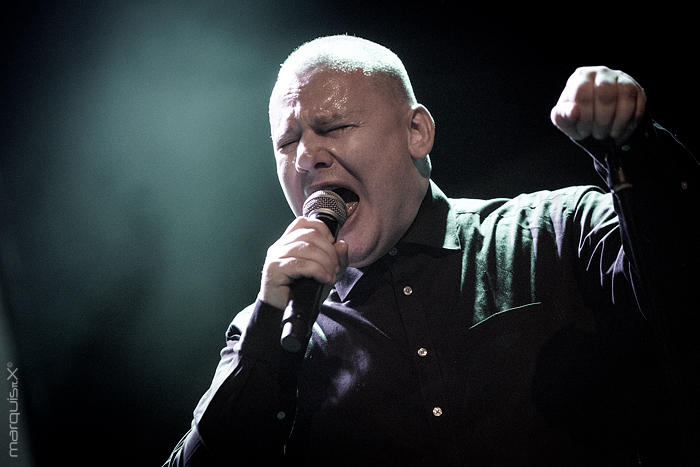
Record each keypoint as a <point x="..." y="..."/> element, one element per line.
<point x="327" y="202"/>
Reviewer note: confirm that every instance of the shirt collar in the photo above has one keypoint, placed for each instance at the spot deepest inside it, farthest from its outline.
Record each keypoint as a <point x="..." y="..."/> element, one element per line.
<point x="435" y="226"/>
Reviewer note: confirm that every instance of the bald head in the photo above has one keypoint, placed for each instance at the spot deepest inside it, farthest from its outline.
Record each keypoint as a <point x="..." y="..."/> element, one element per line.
<point x="350" y="54"/>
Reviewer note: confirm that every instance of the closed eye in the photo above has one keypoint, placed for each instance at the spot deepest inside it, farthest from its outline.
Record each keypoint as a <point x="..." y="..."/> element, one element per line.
<point x="285" y="144"/>
<point x="336" y="129"/>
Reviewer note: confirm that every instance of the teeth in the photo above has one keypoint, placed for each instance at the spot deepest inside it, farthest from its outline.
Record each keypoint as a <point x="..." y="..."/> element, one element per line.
<point x="351" y="206"/>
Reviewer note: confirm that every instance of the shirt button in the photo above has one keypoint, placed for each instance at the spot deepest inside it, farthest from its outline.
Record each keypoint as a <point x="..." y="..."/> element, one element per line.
<point x="393" y="252"/>
<point x="422" y="352"/>
<point x="437" y="411"/>
<point x="407" y="290"/>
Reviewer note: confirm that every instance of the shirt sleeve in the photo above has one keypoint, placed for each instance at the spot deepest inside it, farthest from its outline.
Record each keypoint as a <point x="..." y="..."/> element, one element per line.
<point x="654" y="182"/>
<point x="248" y="410"/>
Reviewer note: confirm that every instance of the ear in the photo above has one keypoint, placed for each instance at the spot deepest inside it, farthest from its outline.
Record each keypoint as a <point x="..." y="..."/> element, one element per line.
<point x="422" y="132"/>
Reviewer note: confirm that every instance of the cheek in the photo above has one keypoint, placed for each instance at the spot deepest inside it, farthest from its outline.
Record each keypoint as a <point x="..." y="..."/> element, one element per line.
<point x="374" y="157"/>
<point x="288" y="178"/>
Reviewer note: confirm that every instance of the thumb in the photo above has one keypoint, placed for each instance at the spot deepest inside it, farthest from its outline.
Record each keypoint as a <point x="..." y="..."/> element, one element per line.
<point x="565" y="116"/>
<point x="341" y="250"/>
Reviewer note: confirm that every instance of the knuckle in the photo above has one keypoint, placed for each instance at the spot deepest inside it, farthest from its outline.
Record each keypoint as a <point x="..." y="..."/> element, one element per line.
<point x="606" y="92"/>
<point x="600" y="69"/>
<point x="295" y="266"/>
<point x="583" y="70"/>
<point x="301" y="222"/>
<point x="272" y="253"/>
<point x="583" y="94"/>
<point x="589" y="72"/>
<point x="629" y="90"/>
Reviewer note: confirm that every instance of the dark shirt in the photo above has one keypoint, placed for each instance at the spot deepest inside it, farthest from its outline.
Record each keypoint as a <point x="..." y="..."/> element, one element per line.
<point x="500" y="332"/>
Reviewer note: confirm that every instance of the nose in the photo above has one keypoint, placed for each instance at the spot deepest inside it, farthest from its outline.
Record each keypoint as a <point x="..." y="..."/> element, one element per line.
<point x="312" y="155"/>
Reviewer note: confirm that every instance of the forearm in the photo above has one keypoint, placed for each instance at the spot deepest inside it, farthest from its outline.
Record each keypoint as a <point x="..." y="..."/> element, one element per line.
<point x="248" y="411"/>
<point x="654" y="181"/>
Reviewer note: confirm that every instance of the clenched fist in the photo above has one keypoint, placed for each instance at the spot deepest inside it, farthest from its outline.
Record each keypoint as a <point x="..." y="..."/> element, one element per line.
<point x="599" y="102"/>
<point x="306" y="249"/>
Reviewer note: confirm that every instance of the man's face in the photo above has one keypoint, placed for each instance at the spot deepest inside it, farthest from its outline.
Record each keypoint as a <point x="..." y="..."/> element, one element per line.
<point x="340" y="131"/>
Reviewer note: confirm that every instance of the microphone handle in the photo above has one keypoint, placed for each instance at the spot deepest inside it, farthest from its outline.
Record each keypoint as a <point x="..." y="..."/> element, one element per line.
<point x="301" y="313"/>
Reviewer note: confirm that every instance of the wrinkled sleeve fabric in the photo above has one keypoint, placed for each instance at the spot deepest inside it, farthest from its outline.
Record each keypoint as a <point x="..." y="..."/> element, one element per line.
<point x="654" y="180"/>
<point x="248" y="410"/>
<point x="655" y="184"/>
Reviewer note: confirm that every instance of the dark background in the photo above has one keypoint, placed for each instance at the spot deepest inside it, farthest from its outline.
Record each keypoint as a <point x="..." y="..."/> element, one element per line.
<point x="139" y="194"/>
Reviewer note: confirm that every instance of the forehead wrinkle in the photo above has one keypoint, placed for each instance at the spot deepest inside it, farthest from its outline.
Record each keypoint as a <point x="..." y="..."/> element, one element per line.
<point x="326" y="118"/>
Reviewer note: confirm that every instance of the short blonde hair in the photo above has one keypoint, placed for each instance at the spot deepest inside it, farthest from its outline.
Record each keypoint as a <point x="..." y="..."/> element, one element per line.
<point x="350" y="54"/>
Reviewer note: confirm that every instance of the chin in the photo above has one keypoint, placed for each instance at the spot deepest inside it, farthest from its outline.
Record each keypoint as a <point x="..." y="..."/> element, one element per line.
<point x="356" y="259"/>
<point x="359" y="259"/>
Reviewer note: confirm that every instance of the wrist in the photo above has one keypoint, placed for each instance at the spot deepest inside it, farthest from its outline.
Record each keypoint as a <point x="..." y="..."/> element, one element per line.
<point x="276" y="297"/>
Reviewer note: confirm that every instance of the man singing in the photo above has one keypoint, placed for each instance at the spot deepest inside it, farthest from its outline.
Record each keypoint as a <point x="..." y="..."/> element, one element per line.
<point x="524" y="331"/>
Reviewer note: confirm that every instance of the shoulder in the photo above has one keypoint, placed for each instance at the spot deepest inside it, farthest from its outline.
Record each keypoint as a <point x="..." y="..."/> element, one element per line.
<point x="548" y="212"/>
<point x="564" y="201"/>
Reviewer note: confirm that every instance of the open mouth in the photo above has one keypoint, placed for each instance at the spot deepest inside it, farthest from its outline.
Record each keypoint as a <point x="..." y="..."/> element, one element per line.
<point x="350" y="197"/>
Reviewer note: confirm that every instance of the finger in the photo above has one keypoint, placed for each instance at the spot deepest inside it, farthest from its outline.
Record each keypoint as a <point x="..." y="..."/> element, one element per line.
<point x="624" y="123"/>
<point x="565" y="116"/>
<point x="641" y="103"/>
<point x="630" y="109"/>
<point x="304" y="234"/>
<point x="279" y="274"/>
<point x="305" y="249"/>
<point x="306" y="258"/>
<point x="301" y="223"/>
<point x="287" y="263"/>
<point x="341" y="249"/>
<point x="307" y="240"/>
<point x="295" y="267"/>
<point x="584" y="100"/>
<point x="605" y="101"/>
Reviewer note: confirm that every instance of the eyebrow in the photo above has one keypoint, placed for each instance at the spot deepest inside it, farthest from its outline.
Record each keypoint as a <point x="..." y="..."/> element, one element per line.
<point x="327" y="119"/>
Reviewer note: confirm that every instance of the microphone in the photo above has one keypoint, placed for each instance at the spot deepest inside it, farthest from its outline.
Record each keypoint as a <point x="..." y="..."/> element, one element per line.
<point x="306" y="294"/>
